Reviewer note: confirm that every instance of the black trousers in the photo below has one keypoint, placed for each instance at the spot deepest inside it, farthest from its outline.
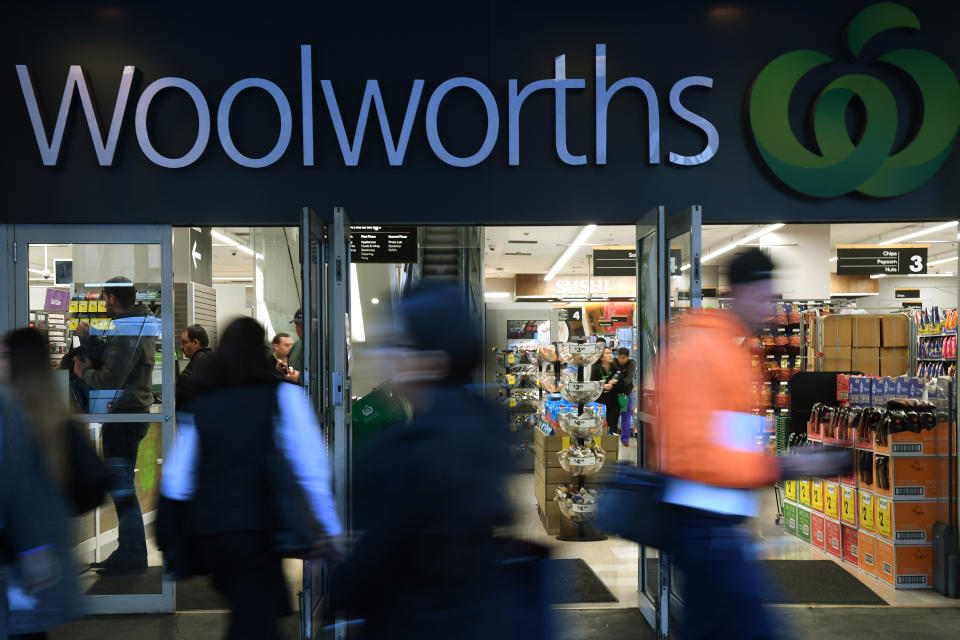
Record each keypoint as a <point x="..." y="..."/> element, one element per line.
<point x="612" y="403"/>
<point x="251" y="578"/>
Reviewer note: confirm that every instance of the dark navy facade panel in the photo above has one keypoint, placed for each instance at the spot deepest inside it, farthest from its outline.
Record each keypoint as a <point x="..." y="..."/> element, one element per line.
<point x="492" y="42"/>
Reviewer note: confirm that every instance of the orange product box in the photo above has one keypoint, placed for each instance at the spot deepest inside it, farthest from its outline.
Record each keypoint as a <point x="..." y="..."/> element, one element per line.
<point x="849" y="506"/>
<point x="929" y="442"/>
<point x="850" y="541"/>
<point x="816" y="494"/>
<point x="914" y="478"/>
<point x="818" y="534"/>
<point x="867" y="547"/>
<point x="804" y="491"/>
<point x="905" y="566"/>
<point x="867" y="511"/>
<point x="831" y="500"/>
<point x="866" y="470"/>
<point x="833" y="543"/>
<point x="907" y="521"/>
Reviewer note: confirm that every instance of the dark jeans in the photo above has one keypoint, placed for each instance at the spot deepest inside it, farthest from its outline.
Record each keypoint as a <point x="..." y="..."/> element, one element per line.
<point x="612" y="403"/>
<point x="121" y="440"/>
<point x="251" y="577"/>
<point x="723" y="584"/>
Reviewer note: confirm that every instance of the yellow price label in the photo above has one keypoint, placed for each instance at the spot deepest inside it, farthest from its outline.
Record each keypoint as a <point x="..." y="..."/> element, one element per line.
<point x="885" y="517"/>
<point x="817" y="494"/>
<point x="805" y="492"/>
<point x="831" y="504"/>
<point x="513" y="402"/>
<point x="82" y="306"/>
<point x="791" y="489"/>
<point x="511" y="379"/>
<point x="73" y="324"/>
<point x="74" y="306"/>
<point x="867" y="512"/>
<point x="511" y="359"/>
<point x="565" y="442"/>
<point x="848" y="507"/>
<point x="102" y="306"/>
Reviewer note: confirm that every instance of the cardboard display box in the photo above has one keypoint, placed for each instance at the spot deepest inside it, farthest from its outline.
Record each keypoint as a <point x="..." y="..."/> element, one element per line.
<point x="912" y="478"/>
<point x="908" y="521"/>
<point x="548" y="460"/>
<point x="833" y="534"/>
<point x="557" y="442"/>
<point x="866" y="331"/>
<point x="866" y="360"/>
<point x="850" y="540"/>
<point x="831" y="500"/>
<point x="818" y="534"/>
<point x="867" y="552"/>
<point x="928" y="442"/>
<point x="790" y="517"/>
<point x="837" y="358"/>
<point x="905" y="566"/>
<point x="895" y="329"/>
<point x="837" y="331"/>
<point x="894" y="361"/>
<point x="803" y="524"/>
<point x="849" y="506"/>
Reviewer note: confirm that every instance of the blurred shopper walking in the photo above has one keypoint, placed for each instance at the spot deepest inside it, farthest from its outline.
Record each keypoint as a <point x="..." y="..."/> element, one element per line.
<point x="68" y="479"/>
<point x="708" y="449"/>
<point x="218" y="516"/>
<point x="606" y="369"/>
<point x="624" y="388"/>
<point x="428" y="564"/>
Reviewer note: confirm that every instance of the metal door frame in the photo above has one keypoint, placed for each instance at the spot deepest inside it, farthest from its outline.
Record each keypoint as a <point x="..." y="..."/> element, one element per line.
<point x="20" y="237"/>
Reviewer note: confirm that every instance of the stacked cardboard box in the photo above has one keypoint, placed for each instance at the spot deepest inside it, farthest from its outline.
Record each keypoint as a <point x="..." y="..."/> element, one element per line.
<point x="882" y="526"/>
<point x="875" y="345"/>
<point x="548" y="475"/>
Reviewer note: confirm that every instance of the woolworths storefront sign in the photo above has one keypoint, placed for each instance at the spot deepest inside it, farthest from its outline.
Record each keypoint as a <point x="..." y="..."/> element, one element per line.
<point x="351" y="143"/>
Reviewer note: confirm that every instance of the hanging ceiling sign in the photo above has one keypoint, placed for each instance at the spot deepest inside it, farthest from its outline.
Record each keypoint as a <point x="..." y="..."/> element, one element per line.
<point x="868" y="260"/>
<point x="907" y="294"/>
<point x="614" y="262"/>
<point x="385" y="245"/>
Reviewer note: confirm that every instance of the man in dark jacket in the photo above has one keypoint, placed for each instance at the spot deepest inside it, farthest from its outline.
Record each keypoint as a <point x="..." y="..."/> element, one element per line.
<point x="195" y="346"/>
<point x="624" y="386"/>
<point x="122" y="383"/>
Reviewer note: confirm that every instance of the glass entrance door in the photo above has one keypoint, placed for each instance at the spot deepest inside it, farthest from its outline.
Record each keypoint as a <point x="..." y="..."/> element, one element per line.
<point x="103" y="297"/>
<point x="668" y="283"/>
<point x="328" y="358"/>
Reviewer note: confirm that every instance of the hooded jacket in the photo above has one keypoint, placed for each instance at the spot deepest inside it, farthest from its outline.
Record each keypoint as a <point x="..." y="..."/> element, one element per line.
<point x="707" y="431"/>
<point x="128" y="360"/>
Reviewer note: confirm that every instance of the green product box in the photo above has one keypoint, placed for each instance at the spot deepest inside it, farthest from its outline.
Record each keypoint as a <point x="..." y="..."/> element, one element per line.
<point x="803" y="524"/>
<point x="790" y="517"/>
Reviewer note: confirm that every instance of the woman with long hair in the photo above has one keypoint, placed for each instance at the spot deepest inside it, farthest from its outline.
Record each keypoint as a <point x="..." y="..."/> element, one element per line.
<point x="607" y="371"/>
<point x="217" y="478"/>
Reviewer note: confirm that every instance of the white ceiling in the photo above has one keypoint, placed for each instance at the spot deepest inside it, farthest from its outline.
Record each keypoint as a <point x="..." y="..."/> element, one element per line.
<point x="548" y="243"/>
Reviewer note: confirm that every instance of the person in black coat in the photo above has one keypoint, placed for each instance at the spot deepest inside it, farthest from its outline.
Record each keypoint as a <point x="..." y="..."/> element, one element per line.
<point x="428" y="563"/>
<point x="606" y="370"/>
<point x="624" y="387"/>
<point x="195" y="346"/>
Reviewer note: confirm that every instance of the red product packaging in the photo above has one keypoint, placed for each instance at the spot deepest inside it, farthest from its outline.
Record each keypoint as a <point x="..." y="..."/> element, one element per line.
<point x="849" y="539"/>
<point x="833" y="534"/>
<point x="818" y="535"/>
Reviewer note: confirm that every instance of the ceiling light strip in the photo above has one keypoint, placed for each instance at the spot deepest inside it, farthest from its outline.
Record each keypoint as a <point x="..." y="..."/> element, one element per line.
<point x="917" y="234"/>
<point x="733" y="245"/>
<point x="582" y="237"/>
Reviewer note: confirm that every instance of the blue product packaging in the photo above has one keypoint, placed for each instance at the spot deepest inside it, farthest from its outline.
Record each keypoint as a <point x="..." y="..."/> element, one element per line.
<point x="916" y="388"/>
<point x="889" y="389"/>
<point x="903" y="387"/>
<point x="856" y="384"/>
<point x="876" y="392"/>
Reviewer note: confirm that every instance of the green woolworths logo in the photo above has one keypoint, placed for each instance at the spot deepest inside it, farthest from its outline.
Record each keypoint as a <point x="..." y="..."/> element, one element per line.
<point x="868" y="166"/>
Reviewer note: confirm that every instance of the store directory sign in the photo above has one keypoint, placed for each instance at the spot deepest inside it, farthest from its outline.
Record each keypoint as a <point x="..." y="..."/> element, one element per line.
<point x="906" y="294"/>
<point x="888" y="260"/>
<point x="383" y="244"/>
<point x="614" y="262"/>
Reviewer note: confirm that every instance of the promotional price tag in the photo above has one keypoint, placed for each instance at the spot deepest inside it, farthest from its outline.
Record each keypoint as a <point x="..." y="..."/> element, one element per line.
<point x="816" y="490"/>
<point x="82" y="306"/>
<point x="580" y="386"/>
<point x="583" y="508"/>
<point x="848" y="507"/>
<point x="805" y="492"/>
<point x="831" y="504"/>
<point x="791" y="489"/>
<point x="513" y="402"/>
<point x="74" y="306"/>
<point x="885" y="517"/>
<point x="867" y="512"/>
<point x="511" y="359"/>
<point x="588" y="348"/>
<point x="102" y="306"/>
<point x="582" y="461"/>
<point x="73" y="323"/>
<point x="511" y="379"/>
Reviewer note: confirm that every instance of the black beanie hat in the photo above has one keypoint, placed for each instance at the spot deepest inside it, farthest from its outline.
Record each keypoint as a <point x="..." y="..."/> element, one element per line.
<point x="750" y="266"/>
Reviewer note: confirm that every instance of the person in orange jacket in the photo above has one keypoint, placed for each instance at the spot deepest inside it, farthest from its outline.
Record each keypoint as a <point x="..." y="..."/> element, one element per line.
<point x="707" y="446"/>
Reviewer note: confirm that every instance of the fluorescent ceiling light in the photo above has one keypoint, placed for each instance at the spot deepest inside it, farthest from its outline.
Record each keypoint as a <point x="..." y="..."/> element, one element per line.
<point x="944" y="261"/>
<point x="374" y="300"/>
<point x="222" y="237"/>
<point x="496" y="294"/>
<point x="572" y="249"/>
<point x="878" y="275"/>
<point x="734" y="245"/>
<point x="235" y="279"/>
<point x="833" y="259"/>
<point x="922" y="232"/>
<point x="91" y="285"/>
<point x="39" y="272"/>
<point x="852" y="294"/>
<point x="948" y="274"/>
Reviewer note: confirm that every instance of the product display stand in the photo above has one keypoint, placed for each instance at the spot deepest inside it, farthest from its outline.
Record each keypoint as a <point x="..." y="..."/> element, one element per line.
<point x="583" y="457"/>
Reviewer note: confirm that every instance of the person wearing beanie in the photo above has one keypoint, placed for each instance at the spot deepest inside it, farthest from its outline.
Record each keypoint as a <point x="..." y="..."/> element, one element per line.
<point x="706" y="437"/>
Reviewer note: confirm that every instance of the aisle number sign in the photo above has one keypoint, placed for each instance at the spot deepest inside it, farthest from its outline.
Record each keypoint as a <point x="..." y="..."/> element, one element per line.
<point x="848" y="506"/>
<point x="816" y="490"/>
<point x="831" y="500"/>
<point x="804" y="486"/>
<point x="791" y="489"/>
<point x="885" y="517"/>
<point x="867" y="512"/>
